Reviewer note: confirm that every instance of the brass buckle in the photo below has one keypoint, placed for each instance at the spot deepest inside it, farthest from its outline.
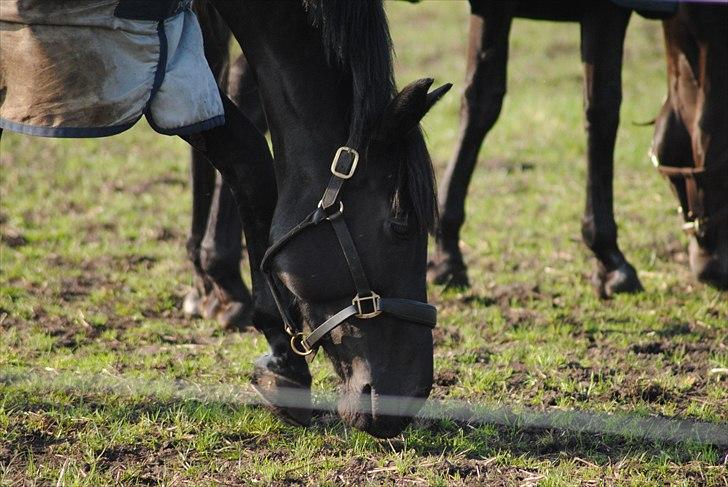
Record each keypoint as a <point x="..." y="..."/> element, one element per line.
<point x="335" y="162"/>
<point x="299" y="338"/>
<point x="693" y="228"/>
<point x="376" y="309"/>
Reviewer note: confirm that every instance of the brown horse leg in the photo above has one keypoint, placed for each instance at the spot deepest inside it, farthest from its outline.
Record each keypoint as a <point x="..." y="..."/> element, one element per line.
<point x="480" y="108"/>
<point x="602" y="36"/>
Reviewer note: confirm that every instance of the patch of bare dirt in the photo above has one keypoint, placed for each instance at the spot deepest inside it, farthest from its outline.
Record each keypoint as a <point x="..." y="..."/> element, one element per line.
<point x="13" y="238"/>
<point x="444" y="334"/>
<point x="446" y="378"/>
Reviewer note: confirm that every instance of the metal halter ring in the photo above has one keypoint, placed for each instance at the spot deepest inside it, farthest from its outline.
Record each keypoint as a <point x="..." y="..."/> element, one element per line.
<point x="338" y="213"/>
<point x="376" y="308"/>
<point x="335" y="162"/>
<point x="301" y="339"/>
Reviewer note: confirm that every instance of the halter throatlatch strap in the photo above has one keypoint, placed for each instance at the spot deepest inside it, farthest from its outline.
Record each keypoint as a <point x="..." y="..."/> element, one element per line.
<point x="366" y="303"/>
<point x="697" y="221"/>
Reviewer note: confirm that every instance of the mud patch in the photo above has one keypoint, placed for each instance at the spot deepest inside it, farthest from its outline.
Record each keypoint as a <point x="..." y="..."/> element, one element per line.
<point x="13" y="238"/>
<point x="651" y="348"/>
<point x="446" y="335"/>
<point x="446" y="378"/>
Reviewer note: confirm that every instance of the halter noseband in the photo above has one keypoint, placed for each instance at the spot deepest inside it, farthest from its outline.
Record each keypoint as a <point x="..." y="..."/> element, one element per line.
<point x="697" y="221"/>
<point x="366" y="303"/>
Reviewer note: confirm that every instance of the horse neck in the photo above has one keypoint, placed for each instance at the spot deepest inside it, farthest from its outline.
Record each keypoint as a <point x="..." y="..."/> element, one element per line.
<point x="307" y="102"/>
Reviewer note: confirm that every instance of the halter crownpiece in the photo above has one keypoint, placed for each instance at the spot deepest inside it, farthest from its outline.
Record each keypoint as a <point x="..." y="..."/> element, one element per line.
<point x="365" y="304"/>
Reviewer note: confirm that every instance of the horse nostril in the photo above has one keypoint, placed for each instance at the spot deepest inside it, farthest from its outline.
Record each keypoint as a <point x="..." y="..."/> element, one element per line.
<point x="366" y="390"/>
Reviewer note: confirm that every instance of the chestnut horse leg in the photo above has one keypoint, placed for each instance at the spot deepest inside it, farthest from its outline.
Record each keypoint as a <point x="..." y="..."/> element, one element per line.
<point x="602" y="37"/>
<point x="480" y="107"/>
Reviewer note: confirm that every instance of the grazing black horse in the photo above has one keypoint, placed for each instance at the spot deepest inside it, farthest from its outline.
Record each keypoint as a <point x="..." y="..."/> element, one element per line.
<point x="356" y="227"/>
<point x="603" y="26"/>
<point x="690" y="145"/>
<point x="347" y="205"/>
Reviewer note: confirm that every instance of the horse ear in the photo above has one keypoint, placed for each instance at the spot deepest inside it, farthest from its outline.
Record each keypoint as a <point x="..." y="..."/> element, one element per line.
<point x="406" y="110"/>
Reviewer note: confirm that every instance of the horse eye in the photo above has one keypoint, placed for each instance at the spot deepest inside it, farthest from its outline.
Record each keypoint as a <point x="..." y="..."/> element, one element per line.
<point x="399" y="227"/>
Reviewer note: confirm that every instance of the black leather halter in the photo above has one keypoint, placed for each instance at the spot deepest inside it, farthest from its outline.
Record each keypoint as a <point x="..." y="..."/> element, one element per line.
<point x="366" y="303"/>
<point x="697" y="220"/>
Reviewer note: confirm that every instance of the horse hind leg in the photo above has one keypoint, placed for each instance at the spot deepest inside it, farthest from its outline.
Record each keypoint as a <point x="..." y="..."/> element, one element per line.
<point x="229" y="301"/>
<point x="203" y="187"/>
<point x="603" y="28"/>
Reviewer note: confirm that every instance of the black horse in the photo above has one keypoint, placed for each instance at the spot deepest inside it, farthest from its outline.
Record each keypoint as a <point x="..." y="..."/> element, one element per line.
<point x="324" y="72"/>
<point x="349" y="236"/>
<point x="603" y="26"/>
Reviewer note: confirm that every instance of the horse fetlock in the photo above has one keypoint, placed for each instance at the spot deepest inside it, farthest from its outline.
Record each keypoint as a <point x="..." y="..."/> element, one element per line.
<point x="448" y="268"/>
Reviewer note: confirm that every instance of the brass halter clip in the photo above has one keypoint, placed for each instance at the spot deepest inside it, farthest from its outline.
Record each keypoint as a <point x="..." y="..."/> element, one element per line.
<point x="299" y="340"/>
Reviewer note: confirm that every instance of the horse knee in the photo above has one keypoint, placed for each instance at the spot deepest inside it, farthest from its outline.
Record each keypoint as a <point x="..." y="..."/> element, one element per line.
<point x="482" y="108"/>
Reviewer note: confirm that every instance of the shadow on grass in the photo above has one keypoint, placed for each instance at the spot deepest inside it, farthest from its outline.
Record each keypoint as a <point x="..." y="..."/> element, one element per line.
<point x="425" y="438"/>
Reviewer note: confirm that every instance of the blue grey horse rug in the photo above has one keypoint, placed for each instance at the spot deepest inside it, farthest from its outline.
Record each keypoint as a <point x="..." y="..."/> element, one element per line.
<point x="92" y="68"/>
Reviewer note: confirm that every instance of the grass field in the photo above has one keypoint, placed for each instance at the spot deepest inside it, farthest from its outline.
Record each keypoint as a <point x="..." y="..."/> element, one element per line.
<point x="93" y="273"/>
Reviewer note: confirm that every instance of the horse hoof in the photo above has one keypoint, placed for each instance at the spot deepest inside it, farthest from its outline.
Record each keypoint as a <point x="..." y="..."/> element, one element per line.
<point x="191" y="304"/>
<point x="623" y="279"/>
<point x="210" y="306"/>
<point x="445" y="272"/>
<point x="236" y="316"/>
<point x="285" y="391"/>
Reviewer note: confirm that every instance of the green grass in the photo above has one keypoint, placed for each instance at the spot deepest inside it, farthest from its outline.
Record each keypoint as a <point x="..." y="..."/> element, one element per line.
<point x="97" y="288"/>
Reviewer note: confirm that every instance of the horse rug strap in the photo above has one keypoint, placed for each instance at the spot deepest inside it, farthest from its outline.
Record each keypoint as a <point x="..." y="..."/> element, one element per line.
<point x="92" y="68"/>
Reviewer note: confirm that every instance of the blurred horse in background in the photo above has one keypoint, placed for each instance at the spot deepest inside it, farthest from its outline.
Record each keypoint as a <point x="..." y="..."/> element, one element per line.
<point x="603" y="26"/>
<point x="690" y="145"/>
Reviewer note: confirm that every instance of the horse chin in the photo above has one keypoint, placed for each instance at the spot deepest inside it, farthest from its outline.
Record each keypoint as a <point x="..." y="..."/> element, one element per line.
<point x="710" y="266"/>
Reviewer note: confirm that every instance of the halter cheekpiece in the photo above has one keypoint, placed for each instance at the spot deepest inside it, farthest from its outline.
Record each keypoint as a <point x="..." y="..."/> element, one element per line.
<point x="366" y="303"/>
<point x="697" y="219"/>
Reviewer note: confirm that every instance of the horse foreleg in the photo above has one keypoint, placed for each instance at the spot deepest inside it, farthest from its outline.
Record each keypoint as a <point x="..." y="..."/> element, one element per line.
<point x="228" y="300"/>
<point x="602" y="37"/>
<point x="480" y="108"/>
<point x="241" y="155"/>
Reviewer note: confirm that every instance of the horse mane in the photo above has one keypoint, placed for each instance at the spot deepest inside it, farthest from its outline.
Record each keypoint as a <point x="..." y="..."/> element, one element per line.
<point x="355" y="36"/>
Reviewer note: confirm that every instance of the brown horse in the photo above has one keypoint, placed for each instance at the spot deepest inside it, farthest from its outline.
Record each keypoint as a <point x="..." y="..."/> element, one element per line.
<point x="690" y="145"/>
<point x="603" y="26"/>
